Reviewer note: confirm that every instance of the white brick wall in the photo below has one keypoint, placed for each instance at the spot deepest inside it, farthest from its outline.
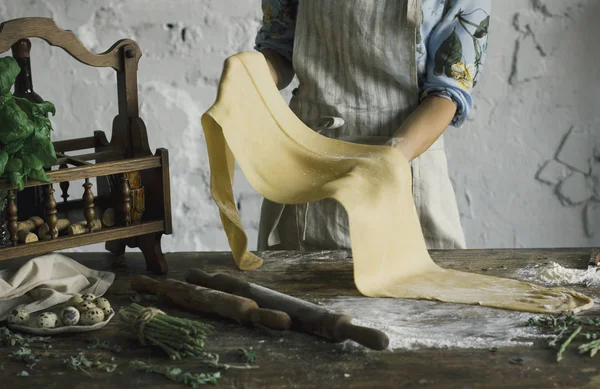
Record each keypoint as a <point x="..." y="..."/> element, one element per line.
<point x="540" y="80"/>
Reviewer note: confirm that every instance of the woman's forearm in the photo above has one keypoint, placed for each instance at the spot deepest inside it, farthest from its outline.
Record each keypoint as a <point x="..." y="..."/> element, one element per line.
<point x="424" y="126"/>
<point x="281" y="69"/>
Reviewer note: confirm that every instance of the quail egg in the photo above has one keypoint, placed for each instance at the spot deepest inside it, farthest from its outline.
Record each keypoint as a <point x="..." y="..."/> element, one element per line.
<point x="88" y="297"/>
<point x="69" y="316"/>
<point x="103" y="304"/>
<point x="75" y="301"/>
<point x="18" y="316"/>
<point x="92" y="316"/>
<point x="86" y="306"/>
<point x="47" y="320"/>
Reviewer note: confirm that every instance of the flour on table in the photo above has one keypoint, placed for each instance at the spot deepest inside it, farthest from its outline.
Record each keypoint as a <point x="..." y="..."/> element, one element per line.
<point x="553" y="274"/>
<point x="413" y="324"/>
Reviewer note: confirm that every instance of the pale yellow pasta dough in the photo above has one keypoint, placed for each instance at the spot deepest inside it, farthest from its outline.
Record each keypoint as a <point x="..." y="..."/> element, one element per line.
<point x="287" y="162"/>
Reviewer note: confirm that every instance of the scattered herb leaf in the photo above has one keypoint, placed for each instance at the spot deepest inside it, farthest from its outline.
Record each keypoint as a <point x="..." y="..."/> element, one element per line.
<point x="96" y="344"/>
<point x="568" y="329"/>
<point x="177" y="375"/>
<point x="23" y="373"/>
<point x="248" y="355"/>
<point x="81" y="363"/>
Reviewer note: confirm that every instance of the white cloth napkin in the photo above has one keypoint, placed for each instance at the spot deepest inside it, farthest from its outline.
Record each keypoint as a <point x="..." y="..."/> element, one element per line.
<point x="46" y="281"/>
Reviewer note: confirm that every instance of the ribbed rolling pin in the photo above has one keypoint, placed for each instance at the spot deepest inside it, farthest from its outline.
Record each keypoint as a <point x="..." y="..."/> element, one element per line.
<point x="310" y="317"/>
<point x="199" y="299"/>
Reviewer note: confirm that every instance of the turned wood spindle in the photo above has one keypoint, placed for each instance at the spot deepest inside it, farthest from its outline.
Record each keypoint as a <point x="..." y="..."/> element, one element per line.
<point x="51" y="218"/>
<point x="126" y="200"/>
<point x="88" y="203"/>
<point x="64" y="186"/>
<point x="12" y="217"/>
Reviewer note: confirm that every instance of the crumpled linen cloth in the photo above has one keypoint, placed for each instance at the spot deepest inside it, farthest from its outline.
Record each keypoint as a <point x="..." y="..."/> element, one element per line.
<point x="46" y="281"/>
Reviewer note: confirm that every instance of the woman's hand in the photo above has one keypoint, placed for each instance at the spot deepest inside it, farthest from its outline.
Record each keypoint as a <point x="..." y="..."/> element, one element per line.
<point x="424" y="126"/>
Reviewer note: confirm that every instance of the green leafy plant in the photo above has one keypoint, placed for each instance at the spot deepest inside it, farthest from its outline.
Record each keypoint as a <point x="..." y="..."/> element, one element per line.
<point x="25" y="145"/>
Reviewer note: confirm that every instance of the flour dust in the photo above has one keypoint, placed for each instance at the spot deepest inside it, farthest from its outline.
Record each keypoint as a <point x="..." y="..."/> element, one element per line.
<point x="413" y="324"/>
<point x="553" y="274"/>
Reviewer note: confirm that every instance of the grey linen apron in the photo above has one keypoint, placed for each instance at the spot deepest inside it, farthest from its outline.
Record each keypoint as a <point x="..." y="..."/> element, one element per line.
<point x="355" y="61"/>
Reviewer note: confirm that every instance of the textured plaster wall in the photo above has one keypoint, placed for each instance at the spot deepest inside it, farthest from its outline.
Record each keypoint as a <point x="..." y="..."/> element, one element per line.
<point x="526" y="166"/>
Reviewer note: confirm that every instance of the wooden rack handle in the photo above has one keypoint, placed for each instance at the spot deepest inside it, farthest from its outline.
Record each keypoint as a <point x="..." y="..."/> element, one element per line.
<point x="14" y="30"/>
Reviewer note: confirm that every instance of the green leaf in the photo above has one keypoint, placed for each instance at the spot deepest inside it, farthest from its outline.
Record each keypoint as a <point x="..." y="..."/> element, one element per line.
<point x="15" y="123"/>
<point x="482" y="30"/>
<point x="38" y="175"/>
<point x="3" y="161"/>
<point x="17" y="179"/>
<point x="448" y="54"/>
<point x="32" y="161"/>
<point x="47" y="107"/>
<point x="36" y="112"/>
<point x="13" y="147"/>
<point x="175" y="371"/>
<point x="42" y="148"/>
<point x="9" y="70"/>
<point x="14" y="165"/>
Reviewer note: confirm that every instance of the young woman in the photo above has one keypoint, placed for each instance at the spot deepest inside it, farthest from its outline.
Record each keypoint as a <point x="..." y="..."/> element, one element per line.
<point x="386" y="72"/>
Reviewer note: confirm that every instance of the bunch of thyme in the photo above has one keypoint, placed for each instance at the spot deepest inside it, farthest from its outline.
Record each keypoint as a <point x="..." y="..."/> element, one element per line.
<point x="568" y="329"/>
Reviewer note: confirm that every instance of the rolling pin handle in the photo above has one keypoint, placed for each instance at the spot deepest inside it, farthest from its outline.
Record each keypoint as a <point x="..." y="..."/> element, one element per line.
<point x="275" y="320"/>
<point x="223" y="282"/>
<point x="368" y="337"/>
<point x="199" y="277"/>
<point x="144" y="285"/>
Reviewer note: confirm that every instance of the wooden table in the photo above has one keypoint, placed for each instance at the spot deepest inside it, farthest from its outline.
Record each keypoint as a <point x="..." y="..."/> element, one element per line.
<point x="296" y="360"/>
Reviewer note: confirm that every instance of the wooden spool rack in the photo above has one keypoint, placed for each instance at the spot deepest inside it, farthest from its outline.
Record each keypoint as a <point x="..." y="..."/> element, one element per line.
<point x="131" y="180"/>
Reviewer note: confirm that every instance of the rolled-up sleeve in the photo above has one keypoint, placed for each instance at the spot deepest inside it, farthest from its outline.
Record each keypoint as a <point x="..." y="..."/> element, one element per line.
<point x="278" y="28"/>
<point x="456" y="53"/>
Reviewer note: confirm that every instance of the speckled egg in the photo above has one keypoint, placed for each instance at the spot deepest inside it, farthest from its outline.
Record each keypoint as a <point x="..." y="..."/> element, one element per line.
<point x="18" y="316"/>
<point x="75" y="301"/>
<point x="92" y="316"/>
<point x="69" y="316"/>
<point x="103" y="304"/>
<point x="47" y="320"/>
<point x="86" y="306"/>
<point x="88" y="297"/>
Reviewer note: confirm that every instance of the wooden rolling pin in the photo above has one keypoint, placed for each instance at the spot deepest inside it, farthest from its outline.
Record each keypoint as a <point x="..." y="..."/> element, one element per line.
<point x="24" y="228"/>
<point x="44" y="229"/>
<point x="81" y="227"/>
<point x="108" y="218"/>
<point x="199" y="299"/>
<point x="310" y="317"/>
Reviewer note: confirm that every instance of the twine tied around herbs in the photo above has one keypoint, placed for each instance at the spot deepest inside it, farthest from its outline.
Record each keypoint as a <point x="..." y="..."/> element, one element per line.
<point x="143" y="318"/>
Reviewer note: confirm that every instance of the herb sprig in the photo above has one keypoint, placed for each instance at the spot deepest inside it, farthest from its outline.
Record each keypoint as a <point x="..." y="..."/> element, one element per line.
<point x="176" y="374"/>
<point x="569" y="329"/>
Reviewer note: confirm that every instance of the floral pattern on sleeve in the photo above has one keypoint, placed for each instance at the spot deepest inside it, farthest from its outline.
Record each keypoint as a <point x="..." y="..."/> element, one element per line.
<point x="278" y="28"/>
<point x="456" y="48"/>
<point x="451" y="45"/>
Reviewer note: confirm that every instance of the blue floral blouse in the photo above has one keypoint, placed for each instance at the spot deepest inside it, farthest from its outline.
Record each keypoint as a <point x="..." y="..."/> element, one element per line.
<point x="451" y="45"/>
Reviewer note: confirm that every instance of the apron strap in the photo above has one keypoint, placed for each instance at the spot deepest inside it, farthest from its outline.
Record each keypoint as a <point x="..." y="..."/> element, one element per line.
<point x="413" y="13"/>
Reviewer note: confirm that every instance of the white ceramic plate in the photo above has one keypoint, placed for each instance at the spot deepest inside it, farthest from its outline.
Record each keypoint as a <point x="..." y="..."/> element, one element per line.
<point x="32" y="328"/>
